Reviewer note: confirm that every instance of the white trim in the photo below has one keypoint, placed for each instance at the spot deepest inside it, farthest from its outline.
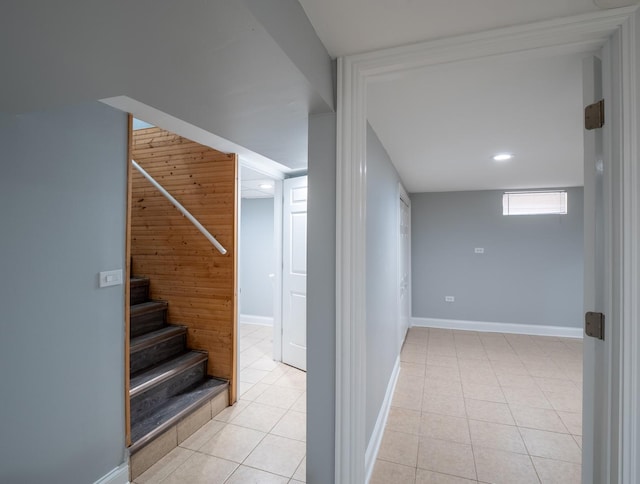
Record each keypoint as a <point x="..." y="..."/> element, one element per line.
<point x="378" y="431"/>
<point x="119" y="475"/>
<point x="278" y="205"/>
<point x="259" y="320"/>
<point x="489" y="327"/>
<point x="583" y="33"/>
<point x="629" y="262"/>
<point x="351" y="205"/>
<point x="592" y="91"/>
<point x="602" y="425"/>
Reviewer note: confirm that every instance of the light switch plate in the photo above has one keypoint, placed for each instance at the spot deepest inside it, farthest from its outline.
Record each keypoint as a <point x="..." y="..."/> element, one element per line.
<point x="111" y="278"/>
<point x="479" y="250"/>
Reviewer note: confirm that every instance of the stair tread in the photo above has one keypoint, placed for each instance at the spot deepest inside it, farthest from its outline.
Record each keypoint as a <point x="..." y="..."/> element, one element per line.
<point x="148" y="306"/>
<point x="173" y="410"/>
<point x="155" y="337"/>
<point x="162" y="372"/>
<point x="138" y="280"/>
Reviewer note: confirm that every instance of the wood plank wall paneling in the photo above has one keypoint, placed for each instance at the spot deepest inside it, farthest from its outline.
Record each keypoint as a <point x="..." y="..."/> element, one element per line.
<point x="185" y="269"/>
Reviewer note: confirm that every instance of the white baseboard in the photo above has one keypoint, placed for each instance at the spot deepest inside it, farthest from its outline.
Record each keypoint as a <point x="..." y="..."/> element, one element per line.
<point x="381" y="422"/>
<point x="119" y="475"/>
<point x="251" y="319"/>
<point x="532" y="329"/>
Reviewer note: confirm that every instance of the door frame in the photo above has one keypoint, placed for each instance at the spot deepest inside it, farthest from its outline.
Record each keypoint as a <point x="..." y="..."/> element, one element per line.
<point x="583" y="33"/>
<point x="277" y="177"/>
<point x="403" y="197"/>
<point x="278" y="202"/>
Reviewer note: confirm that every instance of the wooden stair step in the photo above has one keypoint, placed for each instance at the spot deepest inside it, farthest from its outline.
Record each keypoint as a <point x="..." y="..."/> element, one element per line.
<point x="173" y="410"/>
<point x="157" y="346"/>
<point x="138" y="289"/>
<point x="151" y="388"/>
<point x="148" y="316"/>
<point x="165" y="371"/>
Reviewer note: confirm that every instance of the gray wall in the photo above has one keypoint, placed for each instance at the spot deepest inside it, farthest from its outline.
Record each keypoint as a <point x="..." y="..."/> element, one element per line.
<point x="382" y="273"/>
<point x="257" y="257"/>
<point x="241" y="83"/>
<point x="63" y="199"/>
<point x="321" y="299"/>
<point x="530" y="273"/>
<point x="288" y="24"/>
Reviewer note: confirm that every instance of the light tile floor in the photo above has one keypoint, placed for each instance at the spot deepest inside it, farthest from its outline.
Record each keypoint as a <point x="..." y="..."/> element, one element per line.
<point x="484" y="407"/>
<point x="261" y="439"/>
<point x="468" y="407"/>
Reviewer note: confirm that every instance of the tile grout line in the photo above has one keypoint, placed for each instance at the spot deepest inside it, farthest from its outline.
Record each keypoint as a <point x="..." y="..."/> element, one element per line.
<point x="466" y="413"/>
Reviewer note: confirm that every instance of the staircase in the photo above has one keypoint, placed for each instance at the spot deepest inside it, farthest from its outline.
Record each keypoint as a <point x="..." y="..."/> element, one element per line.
<point x="168" y="382"/>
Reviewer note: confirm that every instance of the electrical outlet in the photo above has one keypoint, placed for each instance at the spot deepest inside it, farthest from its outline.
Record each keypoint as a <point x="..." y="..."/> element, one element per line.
<point x="449" y="299"/>
<point x="479" y="250"/>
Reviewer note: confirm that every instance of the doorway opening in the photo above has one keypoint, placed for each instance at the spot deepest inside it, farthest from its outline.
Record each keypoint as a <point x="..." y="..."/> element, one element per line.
<point x="487" y="373"/>
<point x="272" y="382"/>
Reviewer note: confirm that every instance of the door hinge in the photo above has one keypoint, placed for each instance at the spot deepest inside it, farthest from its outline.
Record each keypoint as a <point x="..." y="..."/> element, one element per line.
<point x="594" y="115"/>
<point x="594" y="325"/>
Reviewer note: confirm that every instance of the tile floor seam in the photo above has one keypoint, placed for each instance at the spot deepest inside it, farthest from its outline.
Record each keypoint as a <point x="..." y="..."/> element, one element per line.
<point x="552" y="459"/>
<point x="535" y="469"/>
<point x="473" y="453"/>
<point x="529" y="455"/>
<point x="543" y="430"/>
<point x="267" y="472"/>
<point x="195" y="452"/>
<point x="239" y="463"/>
<point x="396" y="463"/>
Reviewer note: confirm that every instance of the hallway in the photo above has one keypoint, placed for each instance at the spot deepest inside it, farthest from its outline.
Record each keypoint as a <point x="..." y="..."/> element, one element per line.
<point x="261" y="439"/>
<point x="484" y="407"/>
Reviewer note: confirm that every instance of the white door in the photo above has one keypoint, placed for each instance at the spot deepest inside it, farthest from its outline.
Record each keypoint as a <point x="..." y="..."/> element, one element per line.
<point x="404" y="266"/>
<point x="597" y="353"/>
<point x="294" y="273"/>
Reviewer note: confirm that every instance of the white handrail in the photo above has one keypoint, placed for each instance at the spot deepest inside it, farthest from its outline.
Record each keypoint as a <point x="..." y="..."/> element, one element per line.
<point x="182" y="210"/>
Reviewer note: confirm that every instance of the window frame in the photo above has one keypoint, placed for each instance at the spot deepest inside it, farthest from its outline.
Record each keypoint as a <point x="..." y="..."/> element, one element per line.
<point x="509" y="197"/>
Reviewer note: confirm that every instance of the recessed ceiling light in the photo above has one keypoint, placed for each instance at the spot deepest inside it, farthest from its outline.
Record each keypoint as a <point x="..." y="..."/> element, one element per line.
<point x="503" y="157"/>
<point x="265" y="186"/>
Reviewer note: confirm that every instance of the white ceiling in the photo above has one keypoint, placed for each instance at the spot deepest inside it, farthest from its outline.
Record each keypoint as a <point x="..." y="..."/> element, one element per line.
<point x="355" y="26"/>
<point x="251" y="181"/>
<point x="441" y="125"/>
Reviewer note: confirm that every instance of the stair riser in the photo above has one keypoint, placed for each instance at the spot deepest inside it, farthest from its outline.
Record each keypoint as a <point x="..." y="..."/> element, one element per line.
<point x="147" y="357"/>
<point x="147" y="322"/>
<point x="139" y="293"/>
<point x="145" y="403"/>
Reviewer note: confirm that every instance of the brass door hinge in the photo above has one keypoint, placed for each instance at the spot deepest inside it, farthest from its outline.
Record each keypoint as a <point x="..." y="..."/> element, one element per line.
<point x="594" y="115"/>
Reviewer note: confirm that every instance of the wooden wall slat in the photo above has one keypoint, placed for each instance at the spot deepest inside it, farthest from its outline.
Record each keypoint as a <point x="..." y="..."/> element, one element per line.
<point x="167" y="148"/>
<point x="185" y="269"/>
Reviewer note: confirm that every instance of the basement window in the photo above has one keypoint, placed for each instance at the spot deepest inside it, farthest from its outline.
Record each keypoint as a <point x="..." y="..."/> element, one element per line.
<point x="534" y="203"/>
